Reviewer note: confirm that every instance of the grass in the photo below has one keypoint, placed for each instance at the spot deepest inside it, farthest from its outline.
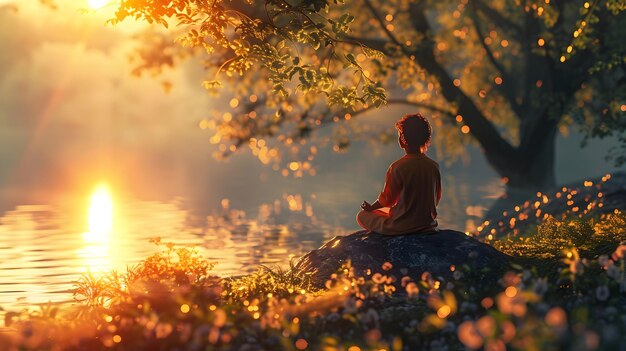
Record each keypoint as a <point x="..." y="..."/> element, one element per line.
<point x="568" y="291"/>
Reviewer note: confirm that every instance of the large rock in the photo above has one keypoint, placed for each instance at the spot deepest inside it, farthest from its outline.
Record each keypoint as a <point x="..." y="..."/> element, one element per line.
<point x="410" y="255"/>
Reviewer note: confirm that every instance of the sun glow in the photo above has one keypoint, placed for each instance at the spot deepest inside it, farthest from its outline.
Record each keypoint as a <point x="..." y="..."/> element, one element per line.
<point x="101" y="211"/>
<point x="97" y="4"/>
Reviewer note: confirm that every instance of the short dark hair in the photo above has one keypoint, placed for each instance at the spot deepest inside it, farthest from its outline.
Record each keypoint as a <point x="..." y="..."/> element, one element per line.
<point x="414" y="129"/>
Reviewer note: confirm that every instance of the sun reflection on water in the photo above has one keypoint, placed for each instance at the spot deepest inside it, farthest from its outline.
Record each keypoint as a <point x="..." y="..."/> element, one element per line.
<point x="97" y="240"/>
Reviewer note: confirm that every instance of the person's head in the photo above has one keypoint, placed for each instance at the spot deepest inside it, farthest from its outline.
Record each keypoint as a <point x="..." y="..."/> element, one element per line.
<point x="414" y="133"/>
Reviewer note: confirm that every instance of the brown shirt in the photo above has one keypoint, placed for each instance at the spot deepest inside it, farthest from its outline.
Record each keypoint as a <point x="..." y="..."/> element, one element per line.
<point x="412" y="191"/>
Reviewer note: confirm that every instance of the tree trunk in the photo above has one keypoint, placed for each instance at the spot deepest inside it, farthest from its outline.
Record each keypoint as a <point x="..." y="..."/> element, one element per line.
<point x="527" y="173"/>
<point x="533" y="170"/>
<point x="530" y="171"/>
<point x="529" y="167"/>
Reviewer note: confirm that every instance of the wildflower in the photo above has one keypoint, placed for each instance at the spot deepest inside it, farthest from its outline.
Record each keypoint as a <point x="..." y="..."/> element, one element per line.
<point x="468" y="334"/>
<point x="484" y="330"/>
<point x="486" y="326"/>
<point x="602" y="293"/>
<point x="511" y="279"/>
<point x="412" y="290"/>
<point x="495" y="345"/>
<point x="487" y="302"/>
<point x="301" y="344"/>
<point x="508" y="331"/>
<point x="445" y="305"/>
<point x="378" y="278"/>
<point x="556" y="317"/>
<point x="373" y="335"/>
<point x="573" y="260"/>
<point x="511" y="304"/>
<point x="163" y="330"/>
<point x="576" y="267"/>
<point x="220" y="318"/>
<point x="444" y="311"/>
<point x="429" y="281"/>
<point x="591" y="340"/>
<point x="389" y="289"/>
<point x="405" y="280"/>
<point x="427" y="277"/>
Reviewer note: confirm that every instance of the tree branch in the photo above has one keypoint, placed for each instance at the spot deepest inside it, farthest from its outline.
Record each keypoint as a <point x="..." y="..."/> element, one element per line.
<point x="381" y="22"/>
<point x="507" y="86"/>
<point x="497" y="17"/>
<point x="373" y="43"/>
<point x="498" y="151"/>
<point x="490" y="55"/>
<point x="526" y="50"/>
<point x="410" y="103"/>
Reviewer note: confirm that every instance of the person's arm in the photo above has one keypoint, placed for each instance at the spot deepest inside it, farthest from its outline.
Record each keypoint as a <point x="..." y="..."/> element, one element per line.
<point x="388" y="196"/>
<point x="391" y="190"/>
<point x="438" y="190"/>
<point x="371" y="207"/>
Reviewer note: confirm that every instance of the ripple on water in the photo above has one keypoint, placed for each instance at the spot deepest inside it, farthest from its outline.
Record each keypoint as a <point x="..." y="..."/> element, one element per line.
<point x="44" y="253"/>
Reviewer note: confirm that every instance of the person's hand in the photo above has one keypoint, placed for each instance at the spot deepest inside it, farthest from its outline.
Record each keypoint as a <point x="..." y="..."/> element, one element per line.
<point x="366" y="206"/>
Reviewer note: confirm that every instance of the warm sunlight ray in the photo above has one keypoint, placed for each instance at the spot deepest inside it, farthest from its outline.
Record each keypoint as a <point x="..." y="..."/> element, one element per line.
<point x="97" y="4"/>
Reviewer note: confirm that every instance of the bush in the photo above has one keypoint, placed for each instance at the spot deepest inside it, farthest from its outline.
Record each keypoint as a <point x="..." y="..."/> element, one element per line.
<point x="591" y="237"/>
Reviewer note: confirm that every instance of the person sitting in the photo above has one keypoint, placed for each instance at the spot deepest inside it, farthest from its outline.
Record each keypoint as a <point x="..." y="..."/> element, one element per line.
<point x="412" y="187"/>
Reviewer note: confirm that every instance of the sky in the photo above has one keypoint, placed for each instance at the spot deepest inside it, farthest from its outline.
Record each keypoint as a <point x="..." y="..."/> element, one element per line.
<point x="72" y="115"/>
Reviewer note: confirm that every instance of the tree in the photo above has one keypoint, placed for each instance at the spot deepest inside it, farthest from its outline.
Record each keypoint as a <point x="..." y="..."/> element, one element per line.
<point x="505" y="74"/>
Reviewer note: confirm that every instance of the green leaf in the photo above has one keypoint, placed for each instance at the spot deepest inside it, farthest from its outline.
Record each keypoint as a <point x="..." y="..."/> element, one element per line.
<point x="373" y="53"/>
<point x="351" y="59"/>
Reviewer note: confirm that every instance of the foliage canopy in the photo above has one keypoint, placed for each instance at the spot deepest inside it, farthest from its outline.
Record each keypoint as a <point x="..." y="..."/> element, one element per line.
<point x="507" y="74"/>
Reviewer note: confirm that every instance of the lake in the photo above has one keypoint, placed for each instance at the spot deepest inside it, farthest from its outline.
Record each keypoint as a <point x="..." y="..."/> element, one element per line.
<point x="45" y="247"/>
